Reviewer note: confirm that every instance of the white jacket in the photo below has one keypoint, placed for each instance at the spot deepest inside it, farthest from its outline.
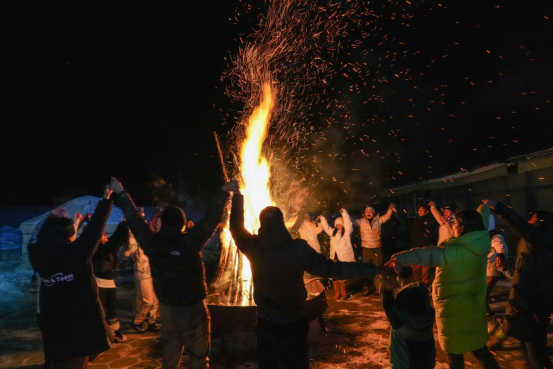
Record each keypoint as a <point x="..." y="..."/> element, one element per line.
<point x="445" y="230"/>
<point x="370" y="233"/>
<point x="341" y="245"/>
<point x="498" y="247"/>
<point x="308" y="231"/>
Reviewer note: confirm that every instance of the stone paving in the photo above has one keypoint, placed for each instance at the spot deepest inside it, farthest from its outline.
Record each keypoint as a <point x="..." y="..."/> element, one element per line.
<point x="357" y="337"/>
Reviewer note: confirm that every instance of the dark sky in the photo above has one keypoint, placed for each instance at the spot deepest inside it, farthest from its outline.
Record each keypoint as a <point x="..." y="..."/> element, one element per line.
<point x="134" y="90"/>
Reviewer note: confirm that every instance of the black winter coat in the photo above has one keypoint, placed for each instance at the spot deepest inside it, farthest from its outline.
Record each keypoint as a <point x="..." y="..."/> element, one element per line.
<point x="175" y="258"/>
<point x="71" y="318"/>
<point x="531" y="298"/>
<point x="424" y="230"/>
<point x="105" y="259"/>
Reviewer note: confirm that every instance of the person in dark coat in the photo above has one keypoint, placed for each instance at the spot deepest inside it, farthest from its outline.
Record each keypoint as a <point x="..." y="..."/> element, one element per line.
<point x="178" y="274"/>
<point x="530" y="299"/>
<point x="105" y="261"/>
<point x="70" y="318"/>
<point x="424" y="232"/>
<point x="278" y="263"/>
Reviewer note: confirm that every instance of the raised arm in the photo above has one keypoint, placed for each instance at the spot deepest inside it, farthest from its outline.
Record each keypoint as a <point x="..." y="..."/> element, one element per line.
<point x="238" y="231"/>
<point x="93" y="232"/>
<point x="386" y="217"/>
<point x="206" y="227"/>
<point x="436" y="213"/>
<point x="348" y="225"/>
<point x="524" y="230"/>
<point x="324" y="224"/>
<point x="141" y="230"/>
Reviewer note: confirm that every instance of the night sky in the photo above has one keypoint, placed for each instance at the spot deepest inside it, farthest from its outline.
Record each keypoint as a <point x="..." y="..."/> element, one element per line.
<point x="135" y="90"/>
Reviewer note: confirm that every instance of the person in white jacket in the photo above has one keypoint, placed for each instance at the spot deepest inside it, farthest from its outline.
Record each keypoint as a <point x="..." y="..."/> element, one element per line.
<point x="309" y="230"/>
<point x="340" y="246"/>
<point x="370" y="228"/>
<point x="445" y="221"/>
<point x="495" y="269"/>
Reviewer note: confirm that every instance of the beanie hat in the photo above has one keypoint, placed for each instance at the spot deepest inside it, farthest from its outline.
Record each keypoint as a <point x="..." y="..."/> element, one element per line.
<point x="173" y="216"/>
<point x="370" y="207"/>
<point x="339" y="221"/>
<point x="413" y="298"/>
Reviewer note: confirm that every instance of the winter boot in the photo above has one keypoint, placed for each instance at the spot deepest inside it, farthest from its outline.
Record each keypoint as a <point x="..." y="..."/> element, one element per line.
<point x="115" y="327"/>
<point x="336" y="290"/>
<point x="343" y="290"/>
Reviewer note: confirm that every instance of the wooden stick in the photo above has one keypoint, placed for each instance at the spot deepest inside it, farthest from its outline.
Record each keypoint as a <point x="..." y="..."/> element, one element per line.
<point x="221" y="157"/>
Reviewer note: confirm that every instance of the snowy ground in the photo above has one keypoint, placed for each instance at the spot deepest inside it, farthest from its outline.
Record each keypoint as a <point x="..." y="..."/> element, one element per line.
<point x="357" y="337"/>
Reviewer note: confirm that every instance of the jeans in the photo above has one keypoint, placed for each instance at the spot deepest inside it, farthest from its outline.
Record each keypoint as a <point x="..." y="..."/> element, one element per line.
<point x="282" y="345"/>
<point x="107" y="297"/>
<point x="187" y="327"/>
<point x="483" y="355"/>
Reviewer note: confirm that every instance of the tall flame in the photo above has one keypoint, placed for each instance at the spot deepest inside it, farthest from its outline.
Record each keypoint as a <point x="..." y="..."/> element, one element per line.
<point x="254" y="166"/>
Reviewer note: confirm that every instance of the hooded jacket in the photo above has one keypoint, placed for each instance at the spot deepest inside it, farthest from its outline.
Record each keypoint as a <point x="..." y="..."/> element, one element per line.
<point x="71" y="318"/>
<point x="278" y="263"/>
<point x="530" y="298"/>
<point x="459" y="289"/>
<point x="175" y="257"/>
<point x="498" y="247"/>
<point x="340" y="244"/>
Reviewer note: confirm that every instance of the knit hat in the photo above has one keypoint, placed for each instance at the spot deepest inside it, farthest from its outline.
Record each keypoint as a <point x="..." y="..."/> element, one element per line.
<point x="173" y="216"/>
<point x="339" y="221"/>
<point x="370" y="207"/>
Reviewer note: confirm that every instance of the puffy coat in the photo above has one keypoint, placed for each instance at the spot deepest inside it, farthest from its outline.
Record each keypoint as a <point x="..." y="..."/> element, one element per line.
<point x="339" y="244"/>
<point x="459" y="289"/>
<point x="498" y="247"/>
<point x="71" y="318"/>
<point x="309" y="232"/>
<point x="370" y="231"/>
<point x="445" y="232"/>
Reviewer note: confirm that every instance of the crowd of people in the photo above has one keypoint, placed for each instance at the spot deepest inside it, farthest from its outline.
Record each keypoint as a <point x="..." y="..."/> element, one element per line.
<point x="445" y="276"/>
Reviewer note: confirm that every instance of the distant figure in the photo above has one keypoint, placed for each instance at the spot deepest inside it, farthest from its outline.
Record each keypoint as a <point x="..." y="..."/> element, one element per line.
<point x="341" y="248"/>
<point x="278" y="263"/>
<point x="70" y="314"/>
<point x="412" y="333"/>
<point x="459" y="290"/>
<point x="178" y="274"/>
<point x="190" y="224"/>
<point x="495" y="270"/>
<point x="105" y="262"/>
<point x="309" y="231"/>
<point x="530" y="301"/>
<point x="445" y="220"/>
<point x="370" y="226"/>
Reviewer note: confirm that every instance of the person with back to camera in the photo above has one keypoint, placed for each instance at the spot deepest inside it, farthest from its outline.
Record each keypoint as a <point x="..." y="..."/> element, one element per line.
<point x="411" y="317"/>
<point x="71" y="318"/>
<point x="340" y="247"/>
<point x="278" y="263"/>
<point x="530" y="301"/>
<point x="459" y="289"/>
<point x="178" y="274"/>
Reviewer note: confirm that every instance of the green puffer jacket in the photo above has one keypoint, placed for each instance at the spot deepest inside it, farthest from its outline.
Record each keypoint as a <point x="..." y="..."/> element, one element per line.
<point x="459" y="289"/>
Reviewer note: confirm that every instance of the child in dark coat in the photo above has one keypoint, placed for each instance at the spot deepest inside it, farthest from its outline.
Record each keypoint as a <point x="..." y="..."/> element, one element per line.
<point x="412" y="319"/>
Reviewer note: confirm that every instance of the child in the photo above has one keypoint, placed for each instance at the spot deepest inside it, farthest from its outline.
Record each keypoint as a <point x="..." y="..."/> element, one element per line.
<point x="412" y="319"/>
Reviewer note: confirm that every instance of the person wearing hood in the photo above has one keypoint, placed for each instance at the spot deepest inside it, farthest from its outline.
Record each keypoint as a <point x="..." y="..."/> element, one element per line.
<point x="278" y="263"/>
<point x="530" y="301"/>
<point x="411" y="318"/>
<point x="445" y="220"/>
<point x="459" y="289"/>
<point x="178" y="274"/>
<point x="70" y="315"/>
<point x="341" y="248"/>
<point x="309" y="230"/>
<point x="370" y="226"/>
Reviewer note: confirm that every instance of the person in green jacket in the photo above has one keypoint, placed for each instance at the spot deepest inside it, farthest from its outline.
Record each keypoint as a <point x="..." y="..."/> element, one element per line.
<point x="459" y="289"/>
